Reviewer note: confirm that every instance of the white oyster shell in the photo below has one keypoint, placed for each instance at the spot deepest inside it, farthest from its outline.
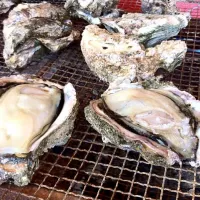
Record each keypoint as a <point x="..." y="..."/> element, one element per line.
<point x="113" y="55"/>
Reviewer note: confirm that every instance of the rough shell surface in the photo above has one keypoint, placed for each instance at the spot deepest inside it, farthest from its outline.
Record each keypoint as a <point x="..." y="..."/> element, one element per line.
<point x="5" y="5"/>
<point x="148" y="29"/>
<point x="32" y="29"/>
<point x="95" y="7"/>
<point x="114" y="55"/>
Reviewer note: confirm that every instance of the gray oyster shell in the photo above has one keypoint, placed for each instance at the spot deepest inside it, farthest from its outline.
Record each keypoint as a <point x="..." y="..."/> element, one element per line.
<point x="154" y="151"/>
<point x="113" y="55"/>
<point x="91" y="10"/>
<point x="148" y="29"/>
<point x="159" y="6"/>
<point x="34" y="29"/>
<point x="95" y="7"/>
<point x="5" y="5"/>
<point x="20" y="168"/>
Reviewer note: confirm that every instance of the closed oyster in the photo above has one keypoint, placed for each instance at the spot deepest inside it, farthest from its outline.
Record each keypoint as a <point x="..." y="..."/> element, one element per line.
<point x="113" y="55"/>
<point x="34" y="115"/>
<point x="159" y="121"/>
<point x="159" y="6"/>
<point x="148" y="29"/>
<point x="33" y="29"/>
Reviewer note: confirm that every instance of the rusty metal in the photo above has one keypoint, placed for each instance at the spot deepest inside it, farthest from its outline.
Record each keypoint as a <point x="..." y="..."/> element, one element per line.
<point x="85" y="168"/>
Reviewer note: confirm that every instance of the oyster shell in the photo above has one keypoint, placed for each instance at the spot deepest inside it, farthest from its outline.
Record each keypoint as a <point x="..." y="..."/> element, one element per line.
<point x="40" y="115"/>
<point x="96" y="7"/>
<point x="113" y="55"/>
<point x="159" y="6"/>
<point x="5" y="5"/>
<point x="148" y="29"/>
<point x="91" y="10"/>
<point x="32" y="29"/>
<point x="159" y="121"/>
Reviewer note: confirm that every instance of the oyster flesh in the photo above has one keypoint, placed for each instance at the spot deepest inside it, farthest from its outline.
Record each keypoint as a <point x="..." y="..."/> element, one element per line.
<point x="34" y="115"/>
<point x="33" y="29"/>
<point x="157" y="120"/>
<point x="91" y="10"/>
<point x="113" y="55"/>
<point x="148" y="29"/>
<point x="5" y="5"/>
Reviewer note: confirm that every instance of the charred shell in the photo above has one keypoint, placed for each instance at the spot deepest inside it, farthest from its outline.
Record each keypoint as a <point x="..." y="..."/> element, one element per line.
<point x="161" y="122"/>
<point x="114" y="55"/>
<point x="35" y="115"/>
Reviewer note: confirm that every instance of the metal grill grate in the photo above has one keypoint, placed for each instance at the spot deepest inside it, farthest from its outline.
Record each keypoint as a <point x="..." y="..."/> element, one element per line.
<point x="85" y="168"/>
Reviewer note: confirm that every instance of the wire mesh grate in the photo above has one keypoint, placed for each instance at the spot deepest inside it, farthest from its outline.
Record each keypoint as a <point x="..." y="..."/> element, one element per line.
<point x="85" y="168"/>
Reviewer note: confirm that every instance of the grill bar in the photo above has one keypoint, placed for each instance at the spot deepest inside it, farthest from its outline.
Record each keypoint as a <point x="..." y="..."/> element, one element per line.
<point x="85" y="168"/>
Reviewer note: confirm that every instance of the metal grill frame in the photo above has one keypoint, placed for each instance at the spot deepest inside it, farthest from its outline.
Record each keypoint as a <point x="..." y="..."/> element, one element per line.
<point x="85" y="168"/>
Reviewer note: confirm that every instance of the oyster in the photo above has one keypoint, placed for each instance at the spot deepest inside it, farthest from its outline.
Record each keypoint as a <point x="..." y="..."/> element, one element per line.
<point x="31" y="30"/>
<point x="40" y="115"/>
<point x="91" y="10"/>
<point x="157" y="120"/>
<point x="5" y="5"/>
<point x="159" y="6"/>
<point x="113" y="55"/>
<point x="146" y="28"/>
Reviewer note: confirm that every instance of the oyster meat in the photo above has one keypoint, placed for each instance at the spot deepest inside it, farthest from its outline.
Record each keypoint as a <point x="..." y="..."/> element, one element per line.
<point x="114" y="55"/>
<point x="148" y="29"/>
<point x="91" y="10"/>
<point x="33" y="29"/>
<point x="5" y="5"/>
<point x="34" y="115"/>
<point x="157" y="120"/>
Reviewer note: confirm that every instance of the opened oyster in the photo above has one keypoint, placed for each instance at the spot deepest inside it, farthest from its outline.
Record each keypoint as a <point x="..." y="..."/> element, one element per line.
<point x="113" y="55"/>
<point x="5" y="5"/>
<point x="157" y="120"/>
<point x="146" y="28"/>
<point x="91" y="10"/>
<point x="32" y="29"/>
<point x="40" y="115"/>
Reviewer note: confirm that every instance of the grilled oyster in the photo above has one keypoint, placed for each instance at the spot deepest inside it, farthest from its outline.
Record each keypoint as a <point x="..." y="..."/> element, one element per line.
<point x="148" y="29"/>
<point x="5" y="5"/>
<point x="113" y="55"/>
<point x="40" y="115"/>
<point x="32" y="29"/>
<point x="159" y="121"/>
<point x="91" y="10"/>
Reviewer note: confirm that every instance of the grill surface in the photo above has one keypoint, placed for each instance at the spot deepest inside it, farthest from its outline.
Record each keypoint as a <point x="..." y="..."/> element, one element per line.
<point x="85" y="168"/>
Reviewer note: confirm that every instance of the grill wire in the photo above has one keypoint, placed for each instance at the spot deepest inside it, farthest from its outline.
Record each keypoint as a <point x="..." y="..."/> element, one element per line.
<point x="85" y="168"/>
